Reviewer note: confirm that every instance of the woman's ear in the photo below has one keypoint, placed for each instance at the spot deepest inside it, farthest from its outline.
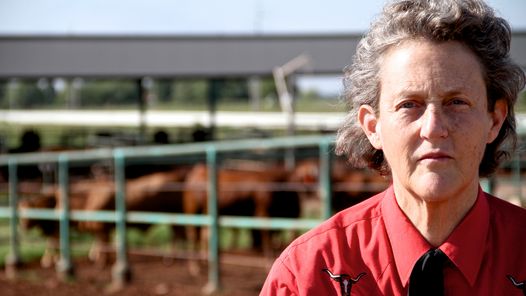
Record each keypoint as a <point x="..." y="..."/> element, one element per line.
<point x="500" y="111"/>
<point x="370" y="125"/>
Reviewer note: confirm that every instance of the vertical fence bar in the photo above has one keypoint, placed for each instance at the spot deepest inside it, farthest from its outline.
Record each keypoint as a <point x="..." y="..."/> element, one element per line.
<point x="121" y="272"/>
<point x="517" y="174"/>
<point x="325" y="178"/>
<point x="13" y="260"/>
<point x="64" y="267"/>
<point x="487" y="184"/>
<point x="213" y="244"/>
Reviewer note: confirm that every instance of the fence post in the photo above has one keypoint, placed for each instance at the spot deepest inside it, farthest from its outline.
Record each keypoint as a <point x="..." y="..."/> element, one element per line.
<point x="13" y="260"/>
<point x="487" y="184"/>
<point x="325" y="178"/>
<point x="517" y="174"/>
<point x="121" y="272"/>
<point x="64" y="266"/>
<point x="213" y="241"/>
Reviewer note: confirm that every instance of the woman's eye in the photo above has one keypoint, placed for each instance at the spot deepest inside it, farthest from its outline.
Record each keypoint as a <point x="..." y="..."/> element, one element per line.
<point x="407" y="105"/>
<point x="457" y="102"/>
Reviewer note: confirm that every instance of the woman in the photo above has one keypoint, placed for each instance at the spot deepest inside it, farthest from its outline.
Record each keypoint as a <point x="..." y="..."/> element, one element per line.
<point x="432" y="91"/>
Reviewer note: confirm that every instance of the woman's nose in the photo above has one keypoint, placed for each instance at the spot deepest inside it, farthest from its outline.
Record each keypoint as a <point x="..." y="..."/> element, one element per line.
<point x="434" y="125"/>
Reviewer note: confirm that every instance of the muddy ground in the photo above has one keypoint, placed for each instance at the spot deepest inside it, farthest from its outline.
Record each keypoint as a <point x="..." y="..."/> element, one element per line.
<point x="152" y="275"/>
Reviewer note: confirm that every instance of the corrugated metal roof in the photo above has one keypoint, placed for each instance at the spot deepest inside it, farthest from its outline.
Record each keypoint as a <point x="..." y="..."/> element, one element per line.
<point x="175" y="56"/>
<point x="128" y="56"/>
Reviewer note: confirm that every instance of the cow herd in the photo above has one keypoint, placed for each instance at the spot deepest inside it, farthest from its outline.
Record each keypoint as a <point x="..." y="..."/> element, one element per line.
<point x="244" y="188"/>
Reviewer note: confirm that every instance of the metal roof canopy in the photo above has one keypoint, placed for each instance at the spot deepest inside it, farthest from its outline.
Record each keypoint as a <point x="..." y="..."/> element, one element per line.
<point x="169" y="56"/>
<point x="181" y="56"/>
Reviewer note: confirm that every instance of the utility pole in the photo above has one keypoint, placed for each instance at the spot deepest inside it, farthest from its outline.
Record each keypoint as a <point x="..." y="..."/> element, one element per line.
<point x="286" y="100"/>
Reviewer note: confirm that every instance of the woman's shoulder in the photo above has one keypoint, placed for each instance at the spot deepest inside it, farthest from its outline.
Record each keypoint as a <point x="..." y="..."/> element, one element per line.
<point x="508" y="222"/>
<point x="501" y="209"/>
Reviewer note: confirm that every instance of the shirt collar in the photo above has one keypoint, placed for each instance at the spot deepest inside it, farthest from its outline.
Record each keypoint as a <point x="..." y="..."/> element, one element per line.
<point x="463" y="247"/>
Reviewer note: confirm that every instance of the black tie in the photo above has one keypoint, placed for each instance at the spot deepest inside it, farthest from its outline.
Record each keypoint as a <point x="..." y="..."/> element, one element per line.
<point x="427" y="278"/>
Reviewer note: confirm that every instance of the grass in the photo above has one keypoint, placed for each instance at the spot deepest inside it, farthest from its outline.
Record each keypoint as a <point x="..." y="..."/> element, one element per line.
<point x="32" y="243"/>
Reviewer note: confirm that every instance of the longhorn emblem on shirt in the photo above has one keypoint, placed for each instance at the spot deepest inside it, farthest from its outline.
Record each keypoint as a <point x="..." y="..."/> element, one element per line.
<point x="346" y="281"/>
<point x="518" y="285"/>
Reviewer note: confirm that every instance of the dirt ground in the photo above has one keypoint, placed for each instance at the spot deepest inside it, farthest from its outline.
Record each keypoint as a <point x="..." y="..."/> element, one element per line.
<point x="151" y="276"/>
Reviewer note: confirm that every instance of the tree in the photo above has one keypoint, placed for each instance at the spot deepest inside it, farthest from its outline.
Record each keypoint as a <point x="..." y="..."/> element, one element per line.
<point x="34" y="94"/>
<point x="164" y="89"/>
<point x="4" y="100"/>
<point x="191" y="90"/>
<point x="109" y="93"/>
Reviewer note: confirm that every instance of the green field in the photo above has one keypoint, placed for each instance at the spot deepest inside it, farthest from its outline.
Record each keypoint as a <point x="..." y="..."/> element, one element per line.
<point x="158" y="238"/>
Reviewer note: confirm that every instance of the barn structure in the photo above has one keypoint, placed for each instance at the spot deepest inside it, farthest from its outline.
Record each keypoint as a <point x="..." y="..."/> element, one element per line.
<point x="210" y="57"/>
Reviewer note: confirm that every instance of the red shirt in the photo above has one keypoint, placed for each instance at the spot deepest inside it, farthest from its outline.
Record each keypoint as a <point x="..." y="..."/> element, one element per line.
<point x="376" y="245"/>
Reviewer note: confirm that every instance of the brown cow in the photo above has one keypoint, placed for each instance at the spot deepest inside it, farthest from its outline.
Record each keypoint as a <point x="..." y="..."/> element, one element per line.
<point x="153" y="193"/>
<point x="241" y="193"/>
<point x="356" y="186"/>
<point x="349" y="185"/>
<point x="50" y="228"/>
<point x="150" y="193"/>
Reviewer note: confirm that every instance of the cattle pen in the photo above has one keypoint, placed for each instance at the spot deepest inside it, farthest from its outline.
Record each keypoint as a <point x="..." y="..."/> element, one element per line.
<point x="121" y="216"/>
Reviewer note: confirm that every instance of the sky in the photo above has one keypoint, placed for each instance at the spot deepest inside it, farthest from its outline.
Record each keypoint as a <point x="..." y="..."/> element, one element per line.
<point x="209" y="17"/>
<point x="174" y="17"/>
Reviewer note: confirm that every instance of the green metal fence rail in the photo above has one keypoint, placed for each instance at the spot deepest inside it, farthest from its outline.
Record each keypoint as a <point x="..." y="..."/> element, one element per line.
<point x="121" y="270"/>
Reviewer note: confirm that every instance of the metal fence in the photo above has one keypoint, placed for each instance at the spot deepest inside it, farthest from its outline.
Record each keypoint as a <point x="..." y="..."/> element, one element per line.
<point x="119" y="157"/>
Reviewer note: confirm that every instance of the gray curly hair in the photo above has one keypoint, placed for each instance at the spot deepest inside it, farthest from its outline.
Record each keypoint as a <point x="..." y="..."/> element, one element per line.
<point x="470" y="22"/>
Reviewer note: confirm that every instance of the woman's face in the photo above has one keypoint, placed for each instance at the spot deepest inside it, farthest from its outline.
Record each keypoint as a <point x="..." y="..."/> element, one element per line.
<point x="433" y="122"/>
